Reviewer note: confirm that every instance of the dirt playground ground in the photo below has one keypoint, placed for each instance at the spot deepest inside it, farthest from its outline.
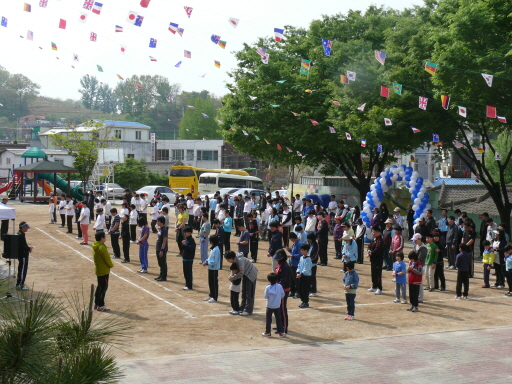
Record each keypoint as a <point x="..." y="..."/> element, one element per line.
<point x="169" y="321"/>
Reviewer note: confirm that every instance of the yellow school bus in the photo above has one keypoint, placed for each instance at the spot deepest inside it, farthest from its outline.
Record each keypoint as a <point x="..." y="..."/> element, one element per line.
<point x="185" y="179"/>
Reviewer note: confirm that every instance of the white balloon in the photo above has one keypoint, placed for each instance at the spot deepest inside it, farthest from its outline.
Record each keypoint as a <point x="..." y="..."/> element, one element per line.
<point x="383" y="174"/>
<point x="385" y="188"/>
<point x="421" y="194"/>
<point x="402" y="174"/>
<point x="372" y="187"/>
<point x="370" y="215"/>
<point x="382" y="181"/>
<point x="423" y="189"/>
<point x="415" y="174"/>
<point x="367" y="209"/>
<point x="415" y="207"/>
<point x="417" y="201"/>
<point x="394" y="177"/>
<point x="374" y="193"/>
<point x="428" y="206"/>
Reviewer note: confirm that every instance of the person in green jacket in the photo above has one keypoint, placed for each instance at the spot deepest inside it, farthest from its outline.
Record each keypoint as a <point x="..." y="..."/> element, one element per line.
<point x="430" y="261"/>
<point x="102" y="265"/>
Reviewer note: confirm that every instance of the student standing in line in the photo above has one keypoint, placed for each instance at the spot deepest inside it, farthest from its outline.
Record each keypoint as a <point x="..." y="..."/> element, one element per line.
<point x="125" y="237"/>
<point x="204" y="234"/>
<point x="463" y="265"/>
<point x="114" y="233"/>
<point x="254" y="230"/>
<point x="414" y="278"/>
<point x="304" y="275"/>
<point x="350" y="283"/>
<point x="106" y="210"/>
<point x="283" y="272"/>
<point x="243" y="242"/>
<point x="162" y="248"/>
<point x="83" y="221"/>
<point x="100" y="220"/>
<point x="70" y="213"/>
<point x="399" y="273"/>
<point x="23" y="252"/>
<point x="273" y="293"/>
<point x="294" y="256"/>
<point x="213" y="264"/>
<point x="134" y="216"/>
<point x="154" y="216"/>
<point x="234" y="290"/>
<point x="102" y="266"/>
<point x="143" y="244"/>
<point x="189" y="252"/>
<point x="228" y="226"/>
<point x="51" y="205"/>
<point x="62" y="211"/>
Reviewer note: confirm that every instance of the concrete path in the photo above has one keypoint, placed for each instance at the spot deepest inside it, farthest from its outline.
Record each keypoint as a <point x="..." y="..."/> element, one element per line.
<point x="469" y="356"/>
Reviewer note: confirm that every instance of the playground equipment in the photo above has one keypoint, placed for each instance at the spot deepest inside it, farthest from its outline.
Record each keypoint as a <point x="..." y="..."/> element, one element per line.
<point x="419" y="196"/>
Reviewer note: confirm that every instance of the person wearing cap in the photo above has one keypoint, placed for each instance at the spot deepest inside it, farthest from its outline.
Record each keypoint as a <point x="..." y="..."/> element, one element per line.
<point x="398" y="218"/>
<point x="23" y="252"/>
<point x="387" y="236"/>
<point x="360" y="233"/>
<point x="420" y="250"/>
<point x="376" y="255"/>
<point x="349" y="252"/>
<point x="337" y="235"/>
<point x="284" y="277"/>
<point x="422" y="229"/>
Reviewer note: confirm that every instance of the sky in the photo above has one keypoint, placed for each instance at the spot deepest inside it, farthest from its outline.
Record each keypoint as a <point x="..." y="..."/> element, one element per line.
<point x="58" y="79"/>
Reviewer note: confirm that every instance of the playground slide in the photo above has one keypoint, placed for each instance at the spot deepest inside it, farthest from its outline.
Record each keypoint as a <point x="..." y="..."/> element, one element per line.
<point x="47" y="188"/>
<point x="76" y="192"/>
<point x="6" y="187"/>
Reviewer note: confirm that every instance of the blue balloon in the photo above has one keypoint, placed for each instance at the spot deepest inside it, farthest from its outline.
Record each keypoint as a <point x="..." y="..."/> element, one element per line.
<point x="388" y="182"/>
<point x="420" y="179"/>
<point x="422" y="205"/>
<point x="394" y="166"/>
<point x="407" y="177"/>
<point x="413" y="198"/>
<point x="377" y="180"/>
<point x="399" y="178"/>
<point x="427" y="196"/>
<point x="369" y="195"/>
<point x="416" y="216"/>
<point x="378" y="187"/>
<point x="403" y="166"/>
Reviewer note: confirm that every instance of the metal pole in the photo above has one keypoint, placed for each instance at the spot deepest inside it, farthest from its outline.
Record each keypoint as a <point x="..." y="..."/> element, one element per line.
<point x="293" y="179"/>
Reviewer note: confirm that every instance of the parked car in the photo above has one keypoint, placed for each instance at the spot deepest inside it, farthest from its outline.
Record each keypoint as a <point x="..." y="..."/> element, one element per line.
<point x="282" y="193"/>
<point x="222" y="191"/>
<point x="252" y="191"/>
<point x="152" y="190"/>
<point x="111" y="190"/>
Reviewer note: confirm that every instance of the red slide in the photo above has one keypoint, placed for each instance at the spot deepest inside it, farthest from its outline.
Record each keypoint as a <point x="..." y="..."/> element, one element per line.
<point x="6" y="187"/>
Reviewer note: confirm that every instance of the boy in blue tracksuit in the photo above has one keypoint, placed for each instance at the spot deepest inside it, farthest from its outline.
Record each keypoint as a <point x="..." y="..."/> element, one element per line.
<point x="189" y="252"/>
<point x="350" y="283"/>
<point x="304" y="275"/>
<point x="294" y="256"/>
<point x="273" y="293"/>
<point x="508" y="263"/>
<point x="213" y="264"/>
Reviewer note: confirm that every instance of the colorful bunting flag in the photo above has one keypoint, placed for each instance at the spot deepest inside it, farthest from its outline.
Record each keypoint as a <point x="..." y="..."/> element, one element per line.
<point x="43" y="3"/>
<point x="502" y="119"/>
<point x="27" y="7"/>
<point x="397" y="88"/>
<point x="245" y="133"/>
<point x="305" y="66"/>
<point x="274" y="105"/>
<point x="335" y="102"/>
<point x="280" y="81"/>
<point x="299" y="154"/>
<point x="152" y="43"/>
<point x="266" y="141"/>
<point x="423" y="103"/>
<point x="397" y="153"/>
<point x="289" y="150"/>
<point x="88" y="4"/>
<point x="497" y="156"/>
<point x="463" y="111"/>
<point x="264" y="58"/>
<point x="30" y="35"/>
<point x="387" y="121"/>
<point x="435" y="138"/>
<point x="138" y="86"/>
<point x="332" y="130"/>
<point x="361" y="108"/>
<point x="314" y="122"/>
<point x="119" y="28"/>
<point x="188" y="10"/>
<point x="54" y="47"/>
<point x="415" y="130"/>
<point x="480" y="150"/>
<point x="215" y="39"/>
<point x="457" y="144"/>
<point x="278" y="33"/>
<point x="123" y="49"/>
<point x="180" y="31"/>
<point x="261" y="51"/>
<point x="190" y="106"/>
<point x="120" y="77"/>
<point x="144" y="3"/>
<point x="256" y="137"/>
<point x="152" y="58"/>
<point x="296" y="114"/>
<point x="348" y="136"/>
<point x="94" y="36"/>
<point x="253" y="97"/>
<point x="222" y="44"/>
<point x="97" y="8"/>
<point x="83" y="17"/>
<point x="363" y="142"/>
<point x="379" y="148"/>
<point x="327" y="44"/>
<point x="233" y="22"/>
<point x="173" y="27"/>
<point x="380" y="56"/>
<point x="220" y="122"/>
<point x="205" y="115"/>
<point x="4" y="22"/>
<point x="344" y="79"/>
<point x="62" y="24"/>
<point x="490" y="111"/>
<point x="430" y="67"/>
<point x="100" y="69"/>
<point x="187" y="54"/>
<point x="412" y="159"/>
<point x="384" y="91"/>
<point x="445" y="101"/>
<point x="216" y="63"/>
<point x="488" y="79"/>
<point x="178" y="64"/>
<point x="351" y="76"/>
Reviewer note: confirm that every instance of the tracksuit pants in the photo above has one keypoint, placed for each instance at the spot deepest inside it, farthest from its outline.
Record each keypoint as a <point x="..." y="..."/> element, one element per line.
<point x="101" y="290"/>
<point x="376" y="270"/>
<point x="213" y="283"/>
<point x="114" y="240"/>
<point x="69" y="219"/>
<point x="22" y="270"/>
<point x="126" y="248"/>
<point x="143" y="256"/>
<point x="279" y="321"/>
<point x="187" y="273"/>
<point x="162" y="263"/>
<point x="248" y="291"/>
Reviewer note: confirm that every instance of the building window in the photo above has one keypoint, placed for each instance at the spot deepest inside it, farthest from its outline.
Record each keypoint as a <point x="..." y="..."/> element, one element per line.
<point x="138" y="135"/>
<point x="207" y="155"/>
<point x="162" y="154"/>
<point x="130" y="156"/>
<point x="117" y="134"/>
<point x="190" y="155"/>
<point x="59" y="161"/>
<point x="8" y="160"/>
<point x="178" y="154"/>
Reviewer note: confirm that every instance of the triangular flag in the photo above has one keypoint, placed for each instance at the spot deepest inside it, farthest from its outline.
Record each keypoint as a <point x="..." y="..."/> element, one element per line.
<point x="256" y="137"/>
<point x="314" y="122"/>
<point x="266" y="141"/>
<point x="397" y="88"/>
<point x="457" y="144"/>
<point x="488" y="79"/>
<point x="445" y="101"/>
<point x="351" y="76"/>
<point x="299" y="154"/>
<point x="119" y="77"/>
<point x="497" y="156"/>
<point x="335" y="102"/>
<point x="144" y="3"/>
<point x="139" y="86"/>
<point x="490" y="111"/>
<point x="245" y="133"/>
<point x="431" y="68"/>
<point x="363" y="142"/>
<point x="205" y="115"/>
<point x="380" y="56"/>
<point x="190" y="106"/>
<point x="379" y="148"/>
<point x="502" y="119"/>
<point x="348" y="136"/>
<point x="220" y="122"/>
<point x="279" y="147"/>
<point x="62" y="24"/>
<point x="387" y="121"/>
<point x="289" y="150"/>
<point x="188" y="10"/>
<point x="397" y="153"/>
<point x="384" y="91"/>
<point x="308" y="91"/>
<point x="332" y="130"/>
<point x="463" y="112"/>
<point x="412" y="159"/>
<point x="480" y="150"/>
<point x="100" y="69"/>
<point x="280" y="81"/>
<point x="233" y="22"/>
<point x="344" y="79"/>
<point x="232" y="128"/>
<point x="415" y="130"/>
<point x="274" y="105"/>
<point x="296" y="114"/>
<point x="361" y="108"/>
<point x="253" y="97"/>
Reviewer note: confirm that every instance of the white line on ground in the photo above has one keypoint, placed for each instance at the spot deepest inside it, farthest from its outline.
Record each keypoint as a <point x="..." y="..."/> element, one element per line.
<point x="122" y="278"/>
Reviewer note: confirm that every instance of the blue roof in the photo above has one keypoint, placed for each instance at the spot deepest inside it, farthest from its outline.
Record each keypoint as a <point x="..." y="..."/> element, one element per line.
<point x="455" y="181"/>
<point x="123" y="123"/>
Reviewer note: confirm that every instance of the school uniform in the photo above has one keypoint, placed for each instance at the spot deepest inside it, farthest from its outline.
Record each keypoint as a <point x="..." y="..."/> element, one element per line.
<point x="125" y="236"/>
<point x="189" y="252"/>
<point x="213" y="272"/>
<point x="254" y="239"/>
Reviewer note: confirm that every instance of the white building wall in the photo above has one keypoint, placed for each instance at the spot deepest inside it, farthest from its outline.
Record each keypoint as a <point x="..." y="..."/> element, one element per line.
<point x="193" y="152"/>
<point x="11" y="160"/>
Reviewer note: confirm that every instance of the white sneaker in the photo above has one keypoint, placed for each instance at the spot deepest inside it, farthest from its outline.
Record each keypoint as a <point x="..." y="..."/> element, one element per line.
<point x="312" y="294"/>
<point x="371" y="290"/>
<point x="185" y="288"/>
<point x="207" y="298"/>
<point x="212" y="300"/>
<point x="393" y="280"/>
<point x="396" y="301"/>
<point x="144" y="271"/>
<point x="378" y="292"/>
<point x="403" y="302"/>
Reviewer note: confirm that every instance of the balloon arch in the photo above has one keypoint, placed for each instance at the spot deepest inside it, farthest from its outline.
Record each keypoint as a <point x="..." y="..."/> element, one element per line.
<point x="419" y="197"/>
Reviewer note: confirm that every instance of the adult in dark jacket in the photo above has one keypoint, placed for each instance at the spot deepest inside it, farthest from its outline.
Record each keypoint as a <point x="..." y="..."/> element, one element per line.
<point x="410" y="221"/>
<point x="284" y="278"/>
<point x="23" y="251"/>
<point x="422" y="229"/>
<point x="376" y="255"/>
<point x="90" y="204"/>
<point x="276" y="241"/>
<point x="322" y="235"/>
<point x="384" y="215"/>
<point x="452" y="241"/>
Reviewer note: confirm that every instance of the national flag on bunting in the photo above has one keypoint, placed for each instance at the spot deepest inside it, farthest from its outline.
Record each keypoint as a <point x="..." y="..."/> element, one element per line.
<point x="139" y="86"/>
<point x="188" y="11"/>
<point x="305" y="66"/>
<point x="363" y="142"/>
<point x="120" y="77"/>
<point x="457" y="144"/>
<point x="278" y="33"/>
<point x="100" y="69"/>
<point x="94" y="36"/>
<point x="463" y="111"/>
<point x="351" y="76"/>
<point x="30" y="35"/>
<point x="344" y="79"/>
<point x="43" y="3"/>
<point x="216" y="63"/>
<point x="299" y="154"/>
<point x="361" y="108"/>
<point x="27" y="7"/>
<point x="178" y="64"/>
<point x="335" y="102"/>
<point x="119" y="28"/>
<point x="295" y="113"/>
<point x="497" y="156"/>
<point x="435" y="138"/>
<point x="397" y="88"/>
<point x="397" y="153"/>
<point x="222" y="44"/>
<point x="88" y="4"/>
<point x="215" y="39"/>
<point x="233" y="22"/>
<point x="4" y="21"/>
<point x="415" y="130"/>
<point x="218" y="121"/>
<point x="423" y="103"/>
<point x="144" y="3"/>
<point x="430" y="67"/>
<point x="261" y="51"/>
<point x="488" y="79"/>
<point x="380" y="56"/>
<point x="490" y="111"/>
<point x="62" y="24"/>
<point x="180" y="31"/>
<point x="327" y="44"/>
<point x="289" y="150"/>
<point x="187" y="54"/>
<point x="412" y="159"/>
<point x="97" y="8"/>
<point x="245" y="133"/>
<point x="264" y="58"/>
<point x="173" y="27"/>
<point x="123" y="49"/>
<point x="138" y="21"/>
<point x="83" y="17"/>
<point x="480" y="150"/>
<point x="152" y="43"/>
<point x="332" y="130"/>
<point x="190" y="106"/>
<point x="279" y="147"/>
<point x="384" y="91"/>
<point x="379" y="148"/>
<point x="54" y="47"/>
<point x="348" y="136"/>
<point x="152" y="58"/>
<point x="445" y="101"/>
<point x="387" y="121"/>
<point x="266" y="141"/>
<point x="256" y="137"/>
<point x="314" y="122"/>
<point x="205" y="115"/>
<point x="75" y="57"/>
<point x="502" y="119"/>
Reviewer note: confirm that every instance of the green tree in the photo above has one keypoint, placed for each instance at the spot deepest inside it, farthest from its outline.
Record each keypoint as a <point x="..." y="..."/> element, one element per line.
<point x="16" y="92"/>
<point x="90" y="89"/>
<point x="131" y="174"/>
<point x="195" y="126"/>
<point x="501" y="146"/>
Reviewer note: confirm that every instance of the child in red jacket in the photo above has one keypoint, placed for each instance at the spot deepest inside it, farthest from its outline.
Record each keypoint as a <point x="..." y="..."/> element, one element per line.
<point x="415" y="270"/>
